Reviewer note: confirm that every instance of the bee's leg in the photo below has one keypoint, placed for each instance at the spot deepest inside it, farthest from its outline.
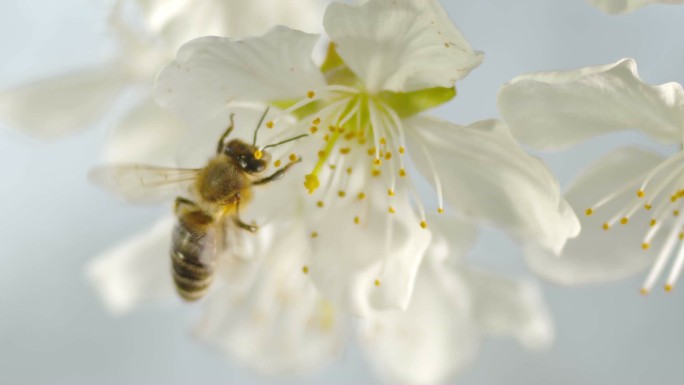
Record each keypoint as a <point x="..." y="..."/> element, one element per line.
<point x="240" y="223"/>
<point x="180" y="201"/>
<point x="222" y="141"/>
<point x="276" y="175"/>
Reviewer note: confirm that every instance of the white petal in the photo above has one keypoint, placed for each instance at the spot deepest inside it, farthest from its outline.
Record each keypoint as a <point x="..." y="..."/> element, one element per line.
<point x="64" y="104"/>
<point x="453" y="237"/>
<point x="149" y="134"/>
<point x="486" y="175"/>
<point x="135" y="272"/>
<point x="507" y="307"/>
<point x="435" y="338"/>
<point x="557" y="109"/>
<point x="615" y="7"/>
<point x="400" y="45"/>
<point x="597" y="255"/>
<point x="349" y="258"/>
<point x="211" y="72"/>
<point x="278" y="324"/>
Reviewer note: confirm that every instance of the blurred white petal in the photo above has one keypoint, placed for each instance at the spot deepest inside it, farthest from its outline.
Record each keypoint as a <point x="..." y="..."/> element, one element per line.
<point x="64" y="104"/>
<point x="615" y="7"/>
<point x="400" y="45"/>
<point x="556" y="109"/>
<point x="486" y="175"/>
<point x="597" y="255"/>
<point x="137" y="271"/>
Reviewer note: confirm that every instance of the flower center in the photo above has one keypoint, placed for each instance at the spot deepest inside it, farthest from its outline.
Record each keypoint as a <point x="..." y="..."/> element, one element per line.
<point x="659" y="191"/>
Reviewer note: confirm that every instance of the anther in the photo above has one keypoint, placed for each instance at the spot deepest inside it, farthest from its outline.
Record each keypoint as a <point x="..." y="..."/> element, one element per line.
<point x="440" y="210"/>
<point x="643" y="291"/>
<point x="345" y="150"/>
<point x="349" y="170"/>
<point x="675" y="213"/>
<point x="647" y="206"/>
<point x="652" y="223"/>
<point x="319" y="204"/>
<point x="305" y="269"/>
<point x="375" y="172"/>
<point x="311" y="183"/>
<point x="640" y="193"/>
<point x="624" y="220"/>
<point x="357" y="220"/>
<point x="423" y="224"/>
<point x="668" y="288"/>
<point x="314" y="234"/>
<point x="390" y="192"/>
<point x="645" y="245"/>
<point x="606" y="226"/>
<point x="402" y="149"/>
<point x="332" y="128"/>
<point x="402" y="172"/>
<point x="326" y="137"/>
<point x="377" y="282"/>
<point x="341" y="194"/>
<point x="388" y="155"/>
<point x="316" y="121"/>
<point x="371" y="151"/>
<point x="391" y="210"/>
<point x="588" y="211"/>
<point x="383" y="140"/>
<point x="258" y="154"/>
<point x="310" y="94"/>
<point x="313" y="129"/>
<point x="681" y="236"/>
<point x="361" y="196"/>
<point x="293" y="157"/>
<point x="269" y="124"/>
<point x="321" y="154"/>
<point x="277" y="163"/>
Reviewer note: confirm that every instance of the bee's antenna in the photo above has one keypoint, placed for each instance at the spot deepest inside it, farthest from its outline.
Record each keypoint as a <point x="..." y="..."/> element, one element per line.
<point x="261" y="120"/>
<point x="285" y="141"/>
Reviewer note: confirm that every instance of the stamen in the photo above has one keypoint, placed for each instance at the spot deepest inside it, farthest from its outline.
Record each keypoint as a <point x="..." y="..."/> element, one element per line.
<point x="305" y="269"/>
<point x="663" y="256"/>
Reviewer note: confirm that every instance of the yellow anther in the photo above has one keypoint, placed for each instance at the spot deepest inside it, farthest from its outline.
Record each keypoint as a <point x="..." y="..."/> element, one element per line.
<point x="349" y="170"/>
<point x="423" y="224"/>
<point x="357" y="220"/>
<point x="640" y="193"/>
<point x="388" y="155"/>
<point x="349" y="136"/>
<point x="277" y="163"/>
<point x="402" y="149"/>
<point x="624" y="220"/>
<point x="341" y="194"/>
<point x="645" y="245"/>
<point x="440" y="210"/>
<point x="293" y="157"/>
<point x="383" y="141"/>
<point x="332" y="128"/>
<point x="606" y="226"/>
<point x="375" y="172"/>
<point x="680" y="193"/>
<point x="314" y="234"/>
<point x="588" y="211"/>
<point x="332" y="166"/>
<point x="673" y="198"/>
<point x="313" y="129"/>
<point x="377" y="282"/>
<point x="345" y="150"/>
<point x="269" y="124"/>
<point x="647" y="206"/>
<point x="311" y="183"/>
<point x="258" y="154"/>
<point x="340" y="129"/>
<point x="668" y="288"/>
<point x="305" y="269"/>
<point x="316" y="121"/>
<point x="681" y="236"/>
<point x="310" y="94"/>
<point x="390" y="192"/>
<point x="320" y="204"/>
<point x="361" y="196"/>
<point x="391" y="210"/>
<point x="371" y="151"/>
<point x="652" y="223"/>
<point x="402" y="172"/>
<point x="326" y="137"/>
<point x="643" y="291"/>
<point x="321" y="154"/>
<point x="362" y="141"/>
<point x="675" y="213"/>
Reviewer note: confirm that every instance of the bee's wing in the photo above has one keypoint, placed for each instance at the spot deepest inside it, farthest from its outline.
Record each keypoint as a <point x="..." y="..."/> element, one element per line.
<point x="143" y="184"/>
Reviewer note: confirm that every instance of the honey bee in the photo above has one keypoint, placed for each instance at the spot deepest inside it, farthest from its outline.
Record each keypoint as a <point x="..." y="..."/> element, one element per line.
<point x="219" y="190"/>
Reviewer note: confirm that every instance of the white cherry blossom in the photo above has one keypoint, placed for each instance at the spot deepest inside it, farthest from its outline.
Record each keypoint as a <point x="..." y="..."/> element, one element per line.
<point x="616" y="7"/>
<point x="387" y="61"/>
<point x="631" y="198"/>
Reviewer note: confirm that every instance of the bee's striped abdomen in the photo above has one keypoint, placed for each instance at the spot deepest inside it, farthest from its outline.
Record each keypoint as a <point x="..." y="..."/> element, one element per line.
<point x="192" y="271"/>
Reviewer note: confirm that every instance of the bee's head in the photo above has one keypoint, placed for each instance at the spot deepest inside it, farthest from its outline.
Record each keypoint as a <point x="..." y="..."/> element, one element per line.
<point x="246" y="156"/>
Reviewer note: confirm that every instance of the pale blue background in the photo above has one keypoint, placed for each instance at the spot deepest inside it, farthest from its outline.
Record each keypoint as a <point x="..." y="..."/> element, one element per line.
<point x="53" y="329"/>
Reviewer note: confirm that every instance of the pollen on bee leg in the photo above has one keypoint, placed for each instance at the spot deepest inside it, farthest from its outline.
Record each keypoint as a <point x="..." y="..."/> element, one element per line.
<point x="305" y="269"/>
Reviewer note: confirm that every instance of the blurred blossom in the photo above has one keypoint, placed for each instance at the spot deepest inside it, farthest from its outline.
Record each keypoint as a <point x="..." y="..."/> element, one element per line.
<point x="387" y="62"/>
<point x="616" y="7"/>
<point x="266" y="314"/>
<point x="632" y="198"/>
<point x="148" y="33"/>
